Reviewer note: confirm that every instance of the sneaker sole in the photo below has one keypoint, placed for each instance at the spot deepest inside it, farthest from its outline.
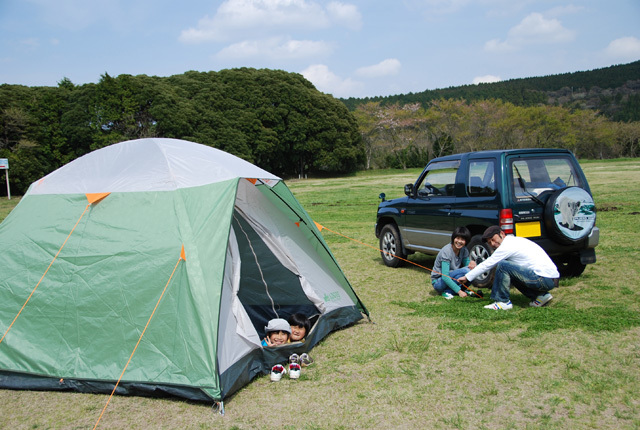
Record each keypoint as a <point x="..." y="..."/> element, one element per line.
<point x="537" y="304"/>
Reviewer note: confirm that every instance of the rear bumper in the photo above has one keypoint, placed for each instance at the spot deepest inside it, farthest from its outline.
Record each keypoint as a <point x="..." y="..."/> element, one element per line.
<point x="594" y="238"/>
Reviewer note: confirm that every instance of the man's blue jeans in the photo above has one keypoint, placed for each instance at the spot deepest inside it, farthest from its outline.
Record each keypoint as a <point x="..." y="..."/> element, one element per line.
<point x="441" y="287"/>
<point x="525" y="280"/>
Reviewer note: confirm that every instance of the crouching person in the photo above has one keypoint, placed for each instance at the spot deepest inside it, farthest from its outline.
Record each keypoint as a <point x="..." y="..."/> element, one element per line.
<point x="451" y="263"/>
<point x="519" y="262"/>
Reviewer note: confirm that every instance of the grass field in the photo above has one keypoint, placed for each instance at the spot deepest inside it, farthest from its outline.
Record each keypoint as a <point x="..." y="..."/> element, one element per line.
<point x="425" y="362"/>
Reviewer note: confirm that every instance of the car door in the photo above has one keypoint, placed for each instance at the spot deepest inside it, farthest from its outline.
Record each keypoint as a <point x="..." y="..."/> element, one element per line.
<point x="480" y="206"/>
<point x="429" y="219"/>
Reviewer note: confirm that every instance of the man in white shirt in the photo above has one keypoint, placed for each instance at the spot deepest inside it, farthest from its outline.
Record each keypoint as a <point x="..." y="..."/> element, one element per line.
<point x="520" y="262"/>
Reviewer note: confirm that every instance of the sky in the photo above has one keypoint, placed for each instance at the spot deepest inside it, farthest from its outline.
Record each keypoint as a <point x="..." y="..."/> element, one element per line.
<point x="350" y="48"/>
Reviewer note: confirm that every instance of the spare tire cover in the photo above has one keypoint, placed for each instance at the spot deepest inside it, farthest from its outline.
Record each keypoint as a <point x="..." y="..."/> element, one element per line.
<point x="570" y="215"/>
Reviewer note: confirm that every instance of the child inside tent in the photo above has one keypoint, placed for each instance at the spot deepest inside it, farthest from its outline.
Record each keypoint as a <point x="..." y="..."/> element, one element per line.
<point x="278" y="331"/>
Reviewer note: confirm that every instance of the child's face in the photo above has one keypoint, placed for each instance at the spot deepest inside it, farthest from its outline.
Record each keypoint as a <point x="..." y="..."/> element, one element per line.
<point x="279" y="337"/>
<point x="297" y="333"/>
<point x="459" y="242"/>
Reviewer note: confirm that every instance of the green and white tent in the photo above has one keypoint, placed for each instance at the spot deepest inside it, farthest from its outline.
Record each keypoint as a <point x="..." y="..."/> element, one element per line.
<point x="166" y="259"/>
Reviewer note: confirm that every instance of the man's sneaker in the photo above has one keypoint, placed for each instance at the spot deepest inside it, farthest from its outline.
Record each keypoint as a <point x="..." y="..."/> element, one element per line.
<point x="541" y="300"/>
<point x="447" y="295"/>
<point x="277" y="371"/>
<point x="305" y="359"/>
<point x="294" y="371"/>
<point x="500" y="306"/>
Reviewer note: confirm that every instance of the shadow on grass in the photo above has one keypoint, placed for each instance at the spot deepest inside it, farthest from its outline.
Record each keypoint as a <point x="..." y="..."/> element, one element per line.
<point x="468" y="315"/>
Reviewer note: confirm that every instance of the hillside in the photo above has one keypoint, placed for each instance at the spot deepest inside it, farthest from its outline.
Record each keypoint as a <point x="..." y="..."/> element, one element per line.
<point x="614" y="91"/>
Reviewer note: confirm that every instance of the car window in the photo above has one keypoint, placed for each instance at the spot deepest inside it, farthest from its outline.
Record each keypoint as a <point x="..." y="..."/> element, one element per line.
<point x="481" y="181"/>
<point x="440" y="179"/>
<point x="537" y="175"/>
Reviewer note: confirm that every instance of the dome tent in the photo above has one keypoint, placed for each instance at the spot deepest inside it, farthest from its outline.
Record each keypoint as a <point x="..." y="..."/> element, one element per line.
<point x="208" y="244"/>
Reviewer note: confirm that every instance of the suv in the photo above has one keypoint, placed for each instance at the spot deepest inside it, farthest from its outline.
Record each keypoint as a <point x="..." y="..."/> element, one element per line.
<point x="541" y="194"/>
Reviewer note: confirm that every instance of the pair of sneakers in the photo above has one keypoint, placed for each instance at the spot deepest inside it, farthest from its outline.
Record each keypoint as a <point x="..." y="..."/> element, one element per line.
<point x="293" y="368"/>
<point x="537" y="303"/>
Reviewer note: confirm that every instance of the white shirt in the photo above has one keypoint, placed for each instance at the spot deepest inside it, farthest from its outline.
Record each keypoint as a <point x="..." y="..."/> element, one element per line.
<point x="520" y="251"/>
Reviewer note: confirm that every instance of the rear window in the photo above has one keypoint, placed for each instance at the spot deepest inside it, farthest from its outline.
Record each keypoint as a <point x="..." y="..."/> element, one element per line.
<point x="540" y="174"/>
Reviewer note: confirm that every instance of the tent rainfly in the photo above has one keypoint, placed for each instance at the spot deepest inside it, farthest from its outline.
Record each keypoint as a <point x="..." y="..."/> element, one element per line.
<point x="181" y="247"/>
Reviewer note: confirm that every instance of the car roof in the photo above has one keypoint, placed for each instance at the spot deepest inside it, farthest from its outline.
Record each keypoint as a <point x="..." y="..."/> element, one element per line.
<point x="498" y="152"/>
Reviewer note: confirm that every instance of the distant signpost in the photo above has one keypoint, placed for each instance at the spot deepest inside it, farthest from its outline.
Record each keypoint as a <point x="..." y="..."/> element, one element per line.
<point x="4" y="165"/>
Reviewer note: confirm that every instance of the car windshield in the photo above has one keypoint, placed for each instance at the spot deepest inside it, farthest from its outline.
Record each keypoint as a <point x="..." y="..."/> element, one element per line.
<point x="533" y="176"/>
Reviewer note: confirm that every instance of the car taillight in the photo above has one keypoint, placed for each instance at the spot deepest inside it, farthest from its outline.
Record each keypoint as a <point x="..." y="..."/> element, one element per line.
<point x="506" y="220"/>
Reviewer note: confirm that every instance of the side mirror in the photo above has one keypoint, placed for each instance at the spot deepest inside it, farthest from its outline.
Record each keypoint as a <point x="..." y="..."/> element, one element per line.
<point x="382" y="196"/>
<point x="408" y="190"/>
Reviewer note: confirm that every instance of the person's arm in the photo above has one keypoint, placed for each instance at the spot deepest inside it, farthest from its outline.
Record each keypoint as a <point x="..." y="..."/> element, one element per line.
<point x="499" y="254"/>
<point x="447" y="279"/>
<point x="468" y="263"/>
<point x="450" y="282"/>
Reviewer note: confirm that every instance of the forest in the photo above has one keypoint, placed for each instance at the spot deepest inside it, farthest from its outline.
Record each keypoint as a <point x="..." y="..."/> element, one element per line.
<point x="274" y="119"/>
<point x="613" y="91"/>
<point x="280" y="122"/>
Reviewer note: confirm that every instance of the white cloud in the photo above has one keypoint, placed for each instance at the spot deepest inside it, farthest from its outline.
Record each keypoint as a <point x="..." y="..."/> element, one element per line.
<point x="496" y="45"/>
<point x="534" y="29"/>
<point x="275" y="49"/>
<point x="486" y="79"/>
<point x="258" y="18"/>
<point x="388" y="67"/>
<point x="346" y="14"/>
<point x="624" y="48"/>
<point x="328" y="82"/>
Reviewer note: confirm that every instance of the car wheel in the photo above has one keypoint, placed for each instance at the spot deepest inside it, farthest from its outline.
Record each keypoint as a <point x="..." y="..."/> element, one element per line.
<point x="391" y="246"/>
<point x="478" y="252"/>
<point x="569" y="215"/>
<point x="570" y="267"/>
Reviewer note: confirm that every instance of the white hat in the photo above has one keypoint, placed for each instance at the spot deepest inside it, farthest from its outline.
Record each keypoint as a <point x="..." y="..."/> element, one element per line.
<point x="278" y="324"/>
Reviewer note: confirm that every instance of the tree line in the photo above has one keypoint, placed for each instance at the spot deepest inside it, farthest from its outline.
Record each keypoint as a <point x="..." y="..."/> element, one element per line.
<point x="274" y="119"/>
<point x="402" y="136"/>
<point x="280" y="122"/>
<point x="613" y="91"/>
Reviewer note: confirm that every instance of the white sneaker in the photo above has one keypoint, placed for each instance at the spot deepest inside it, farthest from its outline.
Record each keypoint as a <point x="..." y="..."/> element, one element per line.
<point x="277" y="371"/>
<point x="447" y="295"/>
<point x="500" y="306"/>
<point x="541" y="300"/>
<point x="294" y="371"/>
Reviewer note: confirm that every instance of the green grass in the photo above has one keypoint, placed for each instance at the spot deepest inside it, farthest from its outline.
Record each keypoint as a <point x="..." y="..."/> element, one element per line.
<point x="425" y="362"/>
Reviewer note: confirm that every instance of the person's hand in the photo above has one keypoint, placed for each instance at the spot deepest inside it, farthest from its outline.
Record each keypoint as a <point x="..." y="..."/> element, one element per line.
<point x="472" y="265"/>
<point x="462" y="280"/>
<point x="462" y="293"/>
<point x="269" y="343"/>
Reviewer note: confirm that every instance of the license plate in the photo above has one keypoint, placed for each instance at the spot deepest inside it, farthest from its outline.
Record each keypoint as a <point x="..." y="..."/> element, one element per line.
<point x="528" y="229"/>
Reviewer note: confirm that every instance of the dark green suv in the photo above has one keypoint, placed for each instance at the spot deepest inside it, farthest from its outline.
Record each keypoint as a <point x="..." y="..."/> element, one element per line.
<point x="541" y="194"/>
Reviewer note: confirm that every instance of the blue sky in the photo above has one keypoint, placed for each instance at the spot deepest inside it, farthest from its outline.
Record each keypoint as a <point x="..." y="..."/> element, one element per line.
<point x="350" y="48"/>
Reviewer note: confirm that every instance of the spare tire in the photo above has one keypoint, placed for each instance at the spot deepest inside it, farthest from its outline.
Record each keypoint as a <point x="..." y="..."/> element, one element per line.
<point x="569" y="215"/>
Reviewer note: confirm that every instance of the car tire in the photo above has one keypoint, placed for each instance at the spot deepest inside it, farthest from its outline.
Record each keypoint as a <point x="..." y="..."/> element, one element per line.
<point x="478" y="252"/>
<point x="569" y="215"/>
<point x="391" y="246"/>
<point x="570" y="267"/>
